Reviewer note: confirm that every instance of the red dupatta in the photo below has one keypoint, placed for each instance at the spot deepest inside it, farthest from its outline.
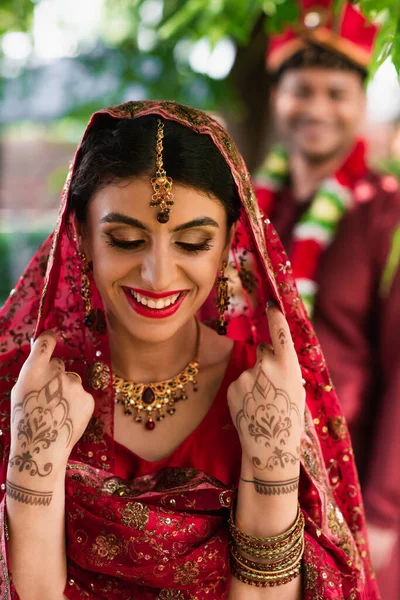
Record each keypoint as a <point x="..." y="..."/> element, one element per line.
<point x="165" y="537"/>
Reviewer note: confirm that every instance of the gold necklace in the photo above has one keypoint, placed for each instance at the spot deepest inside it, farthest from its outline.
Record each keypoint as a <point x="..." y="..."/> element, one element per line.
<point x="143" y="399"/>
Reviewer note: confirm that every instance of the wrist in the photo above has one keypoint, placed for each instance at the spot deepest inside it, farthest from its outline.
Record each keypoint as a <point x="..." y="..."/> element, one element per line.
<point x="267" y="505"/>
<point x="22" y="485"/>
<point x="249" y="471"/>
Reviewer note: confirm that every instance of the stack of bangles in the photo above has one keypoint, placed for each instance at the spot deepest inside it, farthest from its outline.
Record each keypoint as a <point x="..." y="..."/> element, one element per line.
<point x="283" y="552"/>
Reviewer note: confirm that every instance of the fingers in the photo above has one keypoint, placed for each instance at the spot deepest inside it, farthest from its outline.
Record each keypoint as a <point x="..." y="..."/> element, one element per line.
<point x="281" y="338"/>
<point x="58" y="364"/>
<point x="43" y="347"/>
<point x="264" y="350"/>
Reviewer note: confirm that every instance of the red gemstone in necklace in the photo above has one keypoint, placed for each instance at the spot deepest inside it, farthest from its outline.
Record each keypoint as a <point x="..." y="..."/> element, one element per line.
<point x="150" y="425"/>
<point x="148" y="396"/>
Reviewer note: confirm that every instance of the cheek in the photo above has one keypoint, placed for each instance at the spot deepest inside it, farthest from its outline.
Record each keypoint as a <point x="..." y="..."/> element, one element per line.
<point x="109" y="266"/>
<point x="202" y="271"/>
<point x="350" y="116"/>
<point x="287" y="107"/>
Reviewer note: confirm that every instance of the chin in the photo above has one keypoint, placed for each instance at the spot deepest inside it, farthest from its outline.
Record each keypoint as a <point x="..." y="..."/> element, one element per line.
<point x="154" y="333"/>
<point x="319" y="153"/>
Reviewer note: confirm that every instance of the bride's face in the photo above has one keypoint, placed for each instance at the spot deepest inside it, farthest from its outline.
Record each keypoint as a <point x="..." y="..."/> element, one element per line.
<point x="154" y="277"/>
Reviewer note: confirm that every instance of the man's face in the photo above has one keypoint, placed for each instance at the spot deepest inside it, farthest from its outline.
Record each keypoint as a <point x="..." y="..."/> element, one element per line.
<point x="318" y="111"/>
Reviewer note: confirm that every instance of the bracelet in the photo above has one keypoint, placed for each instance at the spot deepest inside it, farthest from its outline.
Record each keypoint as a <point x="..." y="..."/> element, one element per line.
<point x="266" y="573"/>
<point x="264" y="549"/>
<point x="265" y="541"/>
<point x="286" y="551"/>
<point x="247" y="578"/>
<point x="281" y="563"/>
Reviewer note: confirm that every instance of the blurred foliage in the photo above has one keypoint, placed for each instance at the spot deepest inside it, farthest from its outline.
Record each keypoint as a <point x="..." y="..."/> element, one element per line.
<point x="391" y="166"/>
<point x="160" y="71"/>
<point x="236" y="18"/>
<point x="159" y="67"/>
<point x="15" y="15"/>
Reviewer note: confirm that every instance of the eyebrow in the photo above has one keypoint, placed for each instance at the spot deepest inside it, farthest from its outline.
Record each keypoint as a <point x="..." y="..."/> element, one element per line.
<point x="115" y="217"/>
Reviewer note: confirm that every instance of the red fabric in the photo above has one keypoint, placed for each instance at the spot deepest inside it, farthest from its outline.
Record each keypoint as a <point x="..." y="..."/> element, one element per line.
<point x="213" y="447"/>
<point x="305" y="258"/>
<point x="347" y="33"/>
<point x="358" y="329"/>
<point x="165" y="535"/>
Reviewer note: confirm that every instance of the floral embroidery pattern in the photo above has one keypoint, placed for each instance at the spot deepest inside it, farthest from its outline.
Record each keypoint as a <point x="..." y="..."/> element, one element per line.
<point x="88" y="496"/>
<point x="187" y="574"/>
<point x="106" y="546"/>
<point x="135" y="515"/>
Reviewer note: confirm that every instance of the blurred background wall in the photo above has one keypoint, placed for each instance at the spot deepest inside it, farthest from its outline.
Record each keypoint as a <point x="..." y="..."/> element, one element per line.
<point x="60" y="60"/>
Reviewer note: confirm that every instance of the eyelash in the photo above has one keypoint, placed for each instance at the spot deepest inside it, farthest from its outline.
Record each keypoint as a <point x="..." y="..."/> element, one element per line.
<point x="135" y="245"/>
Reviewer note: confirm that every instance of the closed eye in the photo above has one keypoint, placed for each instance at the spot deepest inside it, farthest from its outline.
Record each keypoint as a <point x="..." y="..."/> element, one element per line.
<point x="203" y="247"/>
<point x="136" y="244"/>
<point x="124" y="244"/>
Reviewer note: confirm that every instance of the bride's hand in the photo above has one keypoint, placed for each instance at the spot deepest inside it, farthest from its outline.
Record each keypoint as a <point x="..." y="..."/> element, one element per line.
<point x="49" y="413"/>
<point x="267" y="408"/>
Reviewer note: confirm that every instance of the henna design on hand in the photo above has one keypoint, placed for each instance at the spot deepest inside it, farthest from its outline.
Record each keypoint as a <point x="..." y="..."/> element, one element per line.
<point x="44" y="416"/>
<point x="43" y="346"/>
<point x="282" y="337"/>
<point x="27" y="496"/>
<point x="274" y="488"/>
<point x="266" y="416"/>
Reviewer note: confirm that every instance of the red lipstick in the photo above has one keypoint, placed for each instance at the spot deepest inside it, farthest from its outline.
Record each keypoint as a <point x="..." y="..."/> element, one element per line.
<point x="156" y="294"/>
<point x="155" y="313"/>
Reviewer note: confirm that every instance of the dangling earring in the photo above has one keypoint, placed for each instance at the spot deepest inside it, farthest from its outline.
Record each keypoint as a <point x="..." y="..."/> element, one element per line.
<point x="222" y="300"/>
<point x="90" y="316"/>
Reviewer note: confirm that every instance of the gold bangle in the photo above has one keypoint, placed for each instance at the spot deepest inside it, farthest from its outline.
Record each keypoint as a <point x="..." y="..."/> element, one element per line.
<point x="272" y="573"/>
<point x="282" y="562"/>
<point x="266" y="578"/>
<point x="268" y="554"/>
<point x="267" y="550"/>
<point x="268" y="543"/>
<point x="267" y="583"/>
<point x="274" y="559"/>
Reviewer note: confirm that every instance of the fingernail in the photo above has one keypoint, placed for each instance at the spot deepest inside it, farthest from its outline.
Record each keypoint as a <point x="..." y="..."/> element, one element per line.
<point x="271" y="303"/>
<point x="32" y="341"/>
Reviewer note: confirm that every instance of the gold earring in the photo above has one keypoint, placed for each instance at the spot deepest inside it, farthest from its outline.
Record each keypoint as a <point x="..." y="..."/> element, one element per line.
<point x="89" y="319"/>
<point x="162" y="185"/>
<point x="222" y="300"/>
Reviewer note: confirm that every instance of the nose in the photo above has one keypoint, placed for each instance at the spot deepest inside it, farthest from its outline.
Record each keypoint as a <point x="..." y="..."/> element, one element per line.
<point x="158" y="269"/>
<point x="318" y="107"/>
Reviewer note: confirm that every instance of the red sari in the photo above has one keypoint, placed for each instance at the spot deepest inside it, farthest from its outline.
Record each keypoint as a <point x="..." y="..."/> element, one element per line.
<point x="159" y="530"/>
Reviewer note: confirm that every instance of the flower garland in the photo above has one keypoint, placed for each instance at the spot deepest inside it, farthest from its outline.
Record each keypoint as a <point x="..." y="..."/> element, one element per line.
<point x="317" y="227"/>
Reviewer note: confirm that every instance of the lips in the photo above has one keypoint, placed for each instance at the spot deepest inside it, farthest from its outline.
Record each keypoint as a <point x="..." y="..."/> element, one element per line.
<point x="155" y="305"/>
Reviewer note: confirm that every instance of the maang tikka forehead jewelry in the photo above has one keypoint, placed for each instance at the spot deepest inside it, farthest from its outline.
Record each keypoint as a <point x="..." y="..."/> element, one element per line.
<point x="162" y="185"/>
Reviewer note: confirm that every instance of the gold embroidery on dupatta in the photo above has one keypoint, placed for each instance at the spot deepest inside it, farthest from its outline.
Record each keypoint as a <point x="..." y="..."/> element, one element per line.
<point x="187" y="574"/>
<point x="135" y="515"/>
<point x="94" y="432"/>
<point x="99" y="376"/>
<point x="6" y="578"/>
<point x="171" y="595"/>
<point x="337" y="428"/>
<point x="339" y="528"/>
<point x="177" y="477"/>
<point x="106" y="546"/>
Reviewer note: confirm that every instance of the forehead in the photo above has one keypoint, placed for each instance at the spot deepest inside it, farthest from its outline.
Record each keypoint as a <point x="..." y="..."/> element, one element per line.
<point x="319" y="78"/>
<point x="133" y="197"/>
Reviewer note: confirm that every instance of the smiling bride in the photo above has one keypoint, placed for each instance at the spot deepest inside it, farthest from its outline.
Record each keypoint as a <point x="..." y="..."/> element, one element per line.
<point x="161" y="385"/>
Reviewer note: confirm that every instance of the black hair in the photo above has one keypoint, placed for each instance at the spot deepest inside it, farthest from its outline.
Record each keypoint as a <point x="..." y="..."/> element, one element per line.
<point x="318" y="56"/>
<point x="117" y="149"/>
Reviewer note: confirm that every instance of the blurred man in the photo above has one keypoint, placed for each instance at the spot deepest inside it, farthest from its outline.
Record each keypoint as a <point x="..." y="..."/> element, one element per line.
<point x="340" y="224"/>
